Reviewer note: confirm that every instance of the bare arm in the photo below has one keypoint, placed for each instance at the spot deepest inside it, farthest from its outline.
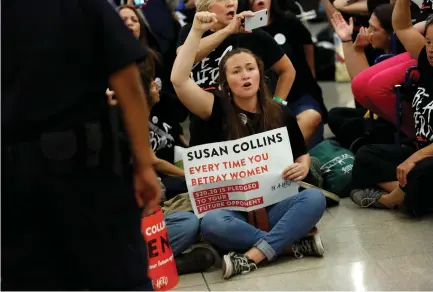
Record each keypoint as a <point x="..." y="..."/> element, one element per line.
<point x="131" y="98"/>
<point x="355" y="59"/>
<point x="196" y="100"/>
<point x="165" y="167"/>
<point x="354" y="55"/>
<point x="309" y="55"/>
<point x="304" y="159"/>
<point x="358" y="7"/>
<point x="411" y="39"/>
<point x="329" y="9"/>
<point x="286" y="72"/>
<point x="422" y="154"/>
<point x="420" y="26"/>
<point x="209" y="43"/>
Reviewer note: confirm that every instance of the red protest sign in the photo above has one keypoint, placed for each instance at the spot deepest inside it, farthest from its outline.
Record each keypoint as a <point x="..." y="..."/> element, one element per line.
<point x="162" y="267"/>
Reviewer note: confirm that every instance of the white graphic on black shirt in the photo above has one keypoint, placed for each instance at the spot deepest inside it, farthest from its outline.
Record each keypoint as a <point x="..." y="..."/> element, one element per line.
<point x="280" y="39"/>
<point x="206" y="72"/>
<point x="160" y="139"/>
<point x="244" y="118"/>
<point x="423" y="111"/>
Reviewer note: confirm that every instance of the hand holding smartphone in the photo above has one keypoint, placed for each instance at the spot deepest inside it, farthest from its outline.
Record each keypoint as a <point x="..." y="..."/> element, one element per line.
<point x="260" y="19"/>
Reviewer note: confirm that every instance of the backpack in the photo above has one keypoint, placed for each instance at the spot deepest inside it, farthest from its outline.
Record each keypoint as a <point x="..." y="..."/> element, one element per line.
<point x="336" y="165"/>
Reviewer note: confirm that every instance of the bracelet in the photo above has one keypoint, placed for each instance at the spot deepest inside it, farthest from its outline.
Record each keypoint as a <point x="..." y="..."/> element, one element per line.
<point x="347" y="41"/>
<point x="280" y="100"/>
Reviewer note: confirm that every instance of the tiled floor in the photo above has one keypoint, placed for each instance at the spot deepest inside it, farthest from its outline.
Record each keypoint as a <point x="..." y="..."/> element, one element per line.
<point x="366" y="249"/>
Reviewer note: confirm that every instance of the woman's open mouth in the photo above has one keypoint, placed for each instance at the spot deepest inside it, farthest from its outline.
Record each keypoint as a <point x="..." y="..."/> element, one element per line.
<point x="247" y="85"/>
<point x="260" y="4"/>
<point x="231" y="14"/>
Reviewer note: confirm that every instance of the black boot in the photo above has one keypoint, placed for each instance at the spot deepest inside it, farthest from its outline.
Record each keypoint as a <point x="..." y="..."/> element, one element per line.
<point x="195" y="261"/>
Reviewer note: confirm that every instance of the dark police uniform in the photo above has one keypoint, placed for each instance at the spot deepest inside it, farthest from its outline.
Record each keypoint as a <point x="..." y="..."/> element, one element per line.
<point x="68" y="221"/>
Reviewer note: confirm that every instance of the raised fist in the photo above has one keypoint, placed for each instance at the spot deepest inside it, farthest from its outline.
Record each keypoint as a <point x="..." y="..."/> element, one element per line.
<point x="204" y="20"/>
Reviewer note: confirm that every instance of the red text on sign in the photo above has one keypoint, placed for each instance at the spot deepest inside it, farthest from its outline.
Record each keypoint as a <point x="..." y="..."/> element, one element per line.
<point x="230" y="203"/>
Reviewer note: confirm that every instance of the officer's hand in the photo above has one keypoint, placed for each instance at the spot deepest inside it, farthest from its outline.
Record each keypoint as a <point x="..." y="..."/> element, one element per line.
<point x="147" y="189"/>
<point x="110" y="95"/>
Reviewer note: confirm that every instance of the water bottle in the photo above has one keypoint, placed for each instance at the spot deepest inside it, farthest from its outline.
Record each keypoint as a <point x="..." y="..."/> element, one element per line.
<point x="426" y="7"/>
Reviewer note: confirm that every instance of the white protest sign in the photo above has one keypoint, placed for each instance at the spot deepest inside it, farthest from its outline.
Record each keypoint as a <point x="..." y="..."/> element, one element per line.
<point x="243" y="175"/>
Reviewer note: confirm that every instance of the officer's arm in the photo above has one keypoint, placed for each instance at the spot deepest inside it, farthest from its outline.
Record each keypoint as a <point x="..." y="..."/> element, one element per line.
<point x="131" y="97"/>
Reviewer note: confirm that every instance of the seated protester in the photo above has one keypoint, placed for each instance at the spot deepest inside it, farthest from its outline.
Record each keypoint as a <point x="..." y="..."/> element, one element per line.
<point x="367" y="7"/>
<point x="377" y="82"/>
<point x="376" y="87"/>
<point x="403" y="175"/>
<point x="378" y="35"/>
<point x="305" y="98"/>
<point x="147" y="70"/>
<point x="241" y="108"/>
<point x="148" y="38"/>
<point x="228" y="34"/>
<point x="182" y="227"/>
<point x="160" y="29"/>
<point x="165" y="133"/>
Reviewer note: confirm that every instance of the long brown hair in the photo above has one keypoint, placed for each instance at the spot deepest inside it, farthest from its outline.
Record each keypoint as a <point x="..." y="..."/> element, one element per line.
<point x="146" y="67"/>
<point x="270" y="115"/>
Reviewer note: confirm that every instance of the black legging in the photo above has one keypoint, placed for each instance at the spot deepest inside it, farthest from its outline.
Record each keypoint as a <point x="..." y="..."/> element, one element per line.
<point x="376" y="164"/>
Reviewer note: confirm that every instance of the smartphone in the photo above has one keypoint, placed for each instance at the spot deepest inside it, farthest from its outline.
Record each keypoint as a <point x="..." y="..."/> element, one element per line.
<point x="260" y="19"/>
<point x="140" y="3"/>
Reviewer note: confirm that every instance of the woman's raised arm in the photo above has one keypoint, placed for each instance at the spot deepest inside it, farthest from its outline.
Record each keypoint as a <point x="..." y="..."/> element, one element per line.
<point x="195" y="99"/>
<point x="411" y="39"/>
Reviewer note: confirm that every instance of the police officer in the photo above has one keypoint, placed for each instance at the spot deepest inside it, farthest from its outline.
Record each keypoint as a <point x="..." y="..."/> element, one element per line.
<point x="68" y="221"/>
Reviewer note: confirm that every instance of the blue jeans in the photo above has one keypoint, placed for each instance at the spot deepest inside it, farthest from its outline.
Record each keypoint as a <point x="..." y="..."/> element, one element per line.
<point x="307" y="102"/>
<point x="290" y="220"/>
<point x="182" y="229"/>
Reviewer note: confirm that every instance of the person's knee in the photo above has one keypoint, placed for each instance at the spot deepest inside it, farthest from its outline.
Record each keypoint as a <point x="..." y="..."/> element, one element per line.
<point x="190" y="224"/>
<point x="360" y="90"/>
<point x="212" y="223"/>
<point x="311" y="116"/>
<point x="378" y="89"/>
<point x="315" y="200"/>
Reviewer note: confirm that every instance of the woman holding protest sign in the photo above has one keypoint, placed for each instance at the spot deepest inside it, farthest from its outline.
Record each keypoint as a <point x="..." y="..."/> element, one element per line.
<point x="241" y="108"/>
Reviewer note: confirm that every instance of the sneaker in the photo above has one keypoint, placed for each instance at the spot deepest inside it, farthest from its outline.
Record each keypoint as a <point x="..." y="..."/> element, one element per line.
<point x="308" y="246"/>
<point x="195" y="261"/>
<point x="235" y="264"/>
<point x="367" y="198"/>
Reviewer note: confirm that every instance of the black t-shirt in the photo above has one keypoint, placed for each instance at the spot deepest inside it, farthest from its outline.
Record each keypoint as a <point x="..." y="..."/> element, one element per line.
<point x="292" y="35"/>
<point x="57" y="61"/>
<point x="422" y="103"/>
<point x="211" y="131"/>
<point x="164" y="126"/>
<point x="206" y="72"/>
